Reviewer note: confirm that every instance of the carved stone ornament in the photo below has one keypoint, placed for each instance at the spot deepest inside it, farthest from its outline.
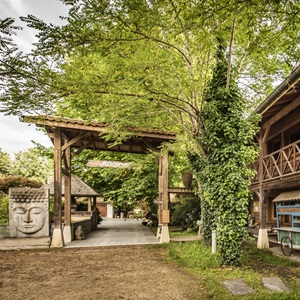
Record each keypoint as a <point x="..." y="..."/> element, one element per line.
<point x="29" y="212"/>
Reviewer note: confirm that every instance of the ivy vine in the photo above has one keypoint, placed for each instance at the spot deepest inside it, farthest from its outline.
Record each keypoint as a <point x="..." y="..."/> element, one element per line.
<point x="225" y="172"/>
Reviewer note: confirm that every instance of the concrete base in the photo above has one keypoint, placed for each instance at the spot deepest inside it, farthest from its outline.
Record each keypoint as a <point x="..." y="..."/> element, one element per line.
<point x="24" y="243"/>
<point x="263" y="239"/>
<point x="57" y="238"/>
<point x="165" y="236"/>
<point x="158" y="232"/>
<point x="67" y="234"/>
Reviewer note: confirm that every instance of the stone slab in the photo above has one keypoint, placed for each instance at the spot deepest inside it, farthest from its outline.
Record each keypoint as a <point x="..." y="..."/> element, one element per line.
<point x="237" y="287"/>
<point x="21" y="243"/>
<point x="274" y="284"/>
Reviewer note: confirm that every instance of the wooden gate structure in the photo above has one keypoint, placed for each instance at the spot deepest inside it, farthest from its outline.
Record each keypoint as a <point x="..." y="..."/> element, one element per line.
<point x="66" y="134"/>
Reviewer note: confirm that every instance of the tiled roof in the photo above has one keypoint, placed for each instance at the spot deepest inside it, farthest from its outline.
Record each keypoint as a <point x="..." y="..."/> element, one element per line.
<point x="78" y="188"/>
<point x="41" y="118"/>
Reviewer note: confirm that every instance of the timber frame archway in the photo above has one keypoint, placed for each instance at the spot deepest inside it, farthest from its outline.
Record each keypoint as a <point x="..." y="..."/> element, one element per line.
<point x="66" y="134"/>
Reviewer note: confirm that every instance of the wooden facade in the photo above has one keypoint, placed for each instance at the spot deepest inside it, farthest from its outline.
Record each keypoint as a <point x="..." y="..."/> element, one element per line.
<point x="70" y="137"/>
<point x="278" y="165"/>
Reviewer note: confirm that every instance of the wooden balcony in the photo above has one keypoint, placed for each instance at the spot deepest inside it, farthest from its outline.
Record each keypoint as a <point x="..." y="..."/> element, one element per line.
<point x="279" y="165"/>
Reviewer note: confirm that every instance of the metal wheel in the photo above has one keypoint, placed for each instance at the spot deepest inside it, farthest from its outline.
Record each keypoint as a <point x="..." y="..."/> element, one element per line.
<point x="286" y="245"/>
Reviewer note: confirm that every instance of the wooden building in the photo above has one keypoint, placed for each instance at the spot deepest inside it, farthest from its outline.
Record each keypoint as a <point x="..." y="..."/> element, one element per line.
<point x="79" y="189"/>
<point x="278" y="166"/>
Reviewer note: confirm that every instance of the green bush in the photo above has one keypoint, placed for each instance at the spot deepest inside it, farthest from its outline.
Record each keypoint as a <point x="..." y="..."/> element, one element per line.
<point x="4" y="213"/>
<point x="186" y="213"/>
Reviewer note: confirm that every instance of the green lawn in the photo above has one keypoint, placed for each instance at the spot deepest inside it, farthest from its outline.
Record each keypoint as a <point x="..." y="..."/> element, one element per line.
<point x="198" y="260"/>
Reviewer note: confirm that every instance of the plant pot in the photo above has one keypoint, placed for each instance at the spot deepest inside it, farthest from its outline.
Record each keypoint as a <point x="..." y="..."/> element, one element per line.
<point x="187" y="178"/>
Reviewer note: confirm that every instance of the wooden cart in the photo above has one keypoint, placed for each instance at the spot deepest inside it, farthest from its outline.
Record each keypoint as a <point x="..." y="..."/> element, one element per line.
<point x="288" y="225"/>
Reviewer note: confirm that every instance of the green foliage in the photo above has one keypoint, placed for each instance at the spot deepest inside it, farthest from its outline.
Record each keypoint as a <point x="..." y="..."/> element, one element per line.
<point x="123" y="186"/>
<point x="4" y="162"/>
<point x="209" y="222"/>
<point x="32" y="165"/>
<point x="226" y="175"/>
<point x="113" y="59"/>
<point x="4" y="214"/>
<point x="7" y="30"/>
<point x="7" y="181"/>
<point x="186" y="213"/>
<point x="82" y="205"/>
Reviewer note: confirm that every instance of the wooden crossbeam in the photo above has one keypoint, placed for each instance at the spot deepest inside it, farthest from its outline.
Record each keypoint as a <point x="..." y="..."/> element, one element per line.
<point x="282" y="113"/>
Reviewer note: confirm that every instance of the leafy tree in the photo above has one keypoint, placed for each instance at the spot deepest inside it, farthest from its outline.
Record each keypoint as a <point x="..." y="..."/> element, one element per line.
<point x="7" y="30"/>
<point x="128" y="54"/>
<point x="123" y="186"/>
<point x="32" y="165"/>
<point x="4" y="162"/>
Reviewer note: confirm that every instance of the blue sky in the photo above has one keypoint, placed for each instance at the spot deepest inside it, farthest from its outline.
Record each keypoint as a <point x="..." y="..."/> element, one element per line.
<point x="14" y="135"/>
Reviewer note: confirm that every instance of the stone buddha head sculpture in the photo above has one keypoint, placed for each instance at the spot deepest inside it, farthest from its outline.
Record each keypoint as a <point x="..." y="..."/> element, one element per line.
<point x="28" y="212"/>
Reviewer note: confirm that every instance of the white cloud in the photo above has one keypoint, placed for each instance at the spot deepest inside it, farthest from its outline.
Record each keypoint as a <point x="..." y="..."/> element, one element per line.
<point x="16" y="136"/>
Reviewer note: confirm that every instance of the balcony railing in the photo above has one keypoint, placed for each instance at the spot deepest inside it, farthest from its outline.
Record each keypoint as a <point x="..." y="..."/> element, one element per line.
<point x="280" y="164"/>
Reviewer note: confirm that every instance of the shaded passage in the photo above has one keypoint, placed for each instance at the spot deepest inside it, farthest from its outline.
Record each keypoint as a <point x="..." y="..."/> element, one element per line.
<point x="113" y="232"/>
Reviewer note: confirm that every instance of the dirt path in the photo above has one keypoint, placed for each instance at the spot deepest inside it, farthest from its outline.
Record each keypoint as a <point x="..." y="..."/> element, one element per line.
<point x="134" y="272"/>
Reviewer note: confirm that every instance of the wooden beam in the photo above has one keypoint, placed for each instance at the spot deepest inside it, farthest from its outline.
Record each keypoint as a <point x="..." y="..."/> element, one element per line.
<point x="175" y="190"/>
<point x="149" y="146"/>
<point x="282" y="113"/>
<point x="74" y="140"/>
<point x="81" y="149"/>
<point x="65" y="172"/>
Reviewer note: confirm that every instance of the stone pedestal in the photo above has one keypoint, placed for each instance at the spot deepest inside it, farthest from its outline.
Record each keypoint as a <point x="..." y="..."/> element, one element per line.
<point x="67" y="234"/>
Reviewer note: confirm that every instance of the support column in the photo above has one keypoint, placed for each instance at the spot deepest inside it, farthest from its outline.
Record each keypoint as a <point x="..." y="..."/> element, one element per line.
<point x="67" y="192"/>
<point x="94" y="203"/>
<point x="165" y="217"/>
<point x="89" y="204"/>
<point x="263" y="240"/>
<point x="57" y="238"/>
<point x="160" y="188"/>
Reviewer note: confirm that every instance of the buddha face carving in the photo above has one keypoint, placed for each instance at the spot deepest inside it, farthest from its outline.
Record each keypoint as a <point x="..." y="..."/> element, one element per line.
<point x="29" y="212"/>
<point x="29" y="217"/>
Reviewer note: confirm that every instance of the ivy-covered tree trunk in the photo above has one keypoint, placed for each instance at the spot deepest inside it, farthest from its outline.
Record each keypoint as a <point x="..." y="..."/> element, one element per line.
<point x="209" y="223"/>
<point x="226" y="173"/>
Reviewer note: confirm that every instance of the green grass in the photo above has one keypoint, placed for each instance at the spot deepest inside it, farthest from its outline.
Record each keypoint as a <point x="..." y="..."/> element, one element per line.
<point x="198" y="260"/>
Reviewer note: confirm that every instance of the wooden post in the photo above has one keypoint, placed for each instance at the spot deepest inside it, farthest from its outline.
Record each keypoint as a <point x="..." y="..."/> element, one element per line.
<point x="67" y="192"/>
<point x="89" y="204"/>
<point x="94" y="203"/>
<point x="165" y="237"/>
<point x="159" y="212"/>
<point x="57" y="238"/>
<point x="263" y="240"/>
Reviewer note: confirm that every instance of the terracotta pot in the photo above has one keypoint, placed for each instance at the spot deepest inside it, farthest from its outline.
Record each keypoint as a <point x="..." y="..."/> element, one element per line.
<point x="187" y="178"/>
